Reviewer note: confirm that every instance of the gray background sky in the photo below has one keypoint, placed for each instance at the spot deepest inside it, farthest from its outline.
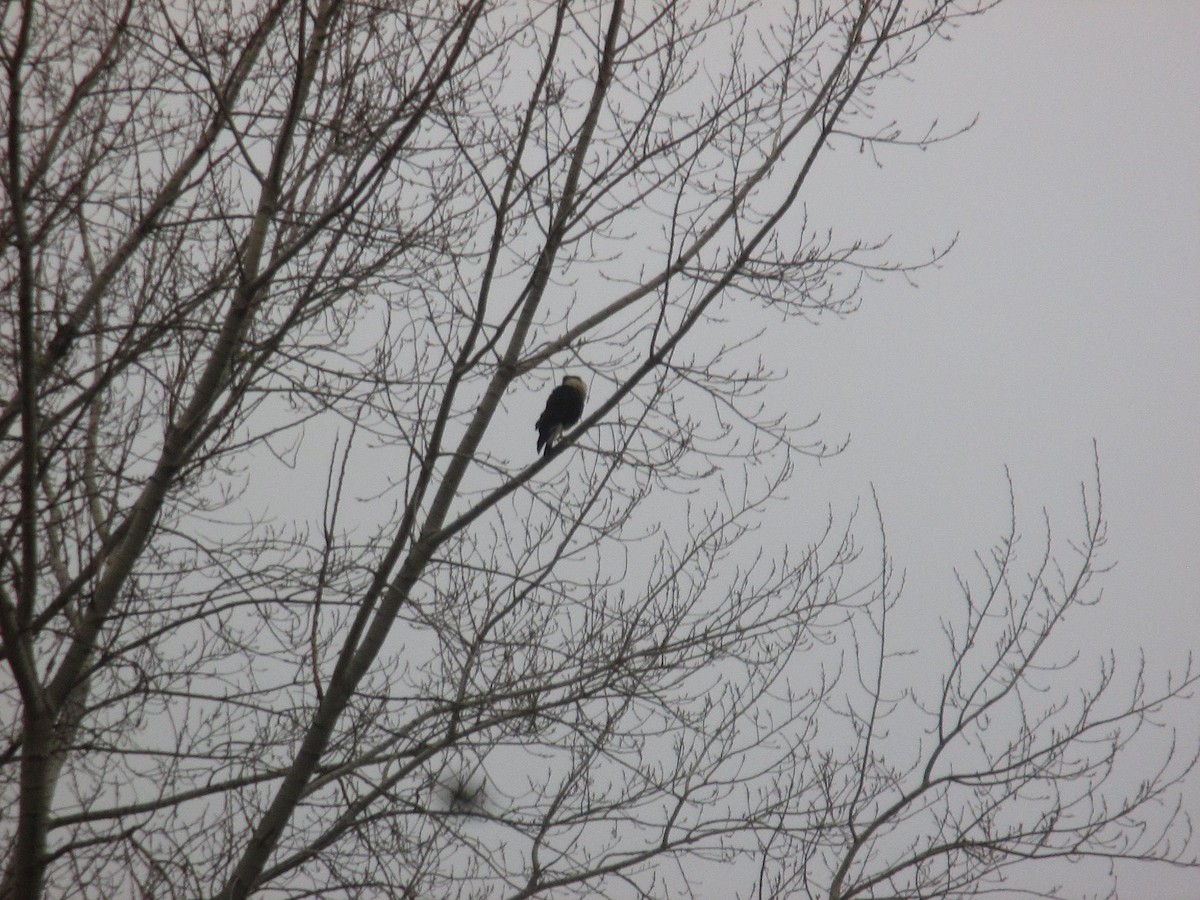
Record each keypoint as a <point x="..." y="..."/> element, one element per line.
<point x="1070" y="310"/>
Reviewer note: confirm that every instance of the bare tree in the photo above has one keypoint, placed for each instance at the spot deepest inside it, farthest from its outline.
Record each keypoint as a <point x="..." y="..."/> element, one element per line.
<point x="286" y="610"/>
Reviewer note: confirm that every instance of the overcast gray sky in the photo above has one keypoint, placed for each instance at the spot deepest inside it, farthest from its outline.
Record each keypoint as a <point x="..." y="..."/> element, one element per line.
<point x="1070" y="310"/>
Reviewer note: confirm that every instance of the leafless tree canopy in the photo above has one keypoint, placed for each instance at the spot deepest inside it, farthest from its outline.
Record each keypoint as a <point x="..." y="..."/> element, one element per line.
<point x="290" y="606"/>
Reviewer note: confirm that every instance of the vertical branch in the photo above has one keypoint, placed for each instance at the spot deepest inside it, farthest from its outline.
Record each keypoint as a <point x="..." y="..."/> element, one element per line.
<point x="27" y="862"/>
<point x="26" y="326"/>
<point x="875" y="690"/>
<point x="333" y="497"/>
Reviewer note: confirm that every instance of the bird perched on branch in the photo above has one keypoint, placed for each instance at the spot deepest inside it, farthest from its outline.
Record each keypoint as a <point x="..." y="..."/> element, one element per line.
<point x="564" y="406"/>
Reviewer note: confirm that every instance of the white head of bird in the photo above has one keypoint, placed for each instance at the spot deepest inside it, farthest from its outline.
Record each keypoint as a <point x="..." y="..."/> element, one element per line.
<point x="574" y="381"/>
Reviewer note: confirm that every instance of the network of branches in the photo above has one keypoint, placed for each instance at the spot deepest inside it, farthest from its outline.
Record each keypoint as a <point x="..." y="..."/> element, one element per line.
<point x="291" y="607"/>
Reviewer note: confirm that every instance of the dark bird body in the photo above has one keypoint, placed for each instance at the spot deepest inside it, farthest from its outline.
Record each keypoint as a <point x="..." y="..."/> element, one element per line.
<point x="563" y="409"/>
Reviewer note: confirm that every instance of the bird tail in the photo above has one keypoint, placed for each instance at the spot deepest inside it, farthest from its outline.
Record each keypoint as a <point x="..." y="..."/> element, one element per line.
<point x="548" y="438"/>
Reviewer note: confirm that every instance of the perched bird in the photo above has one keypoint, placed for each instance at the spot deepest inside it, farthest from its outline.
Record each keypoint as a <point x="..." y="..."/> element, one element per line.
<point x="564" y="406"/>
